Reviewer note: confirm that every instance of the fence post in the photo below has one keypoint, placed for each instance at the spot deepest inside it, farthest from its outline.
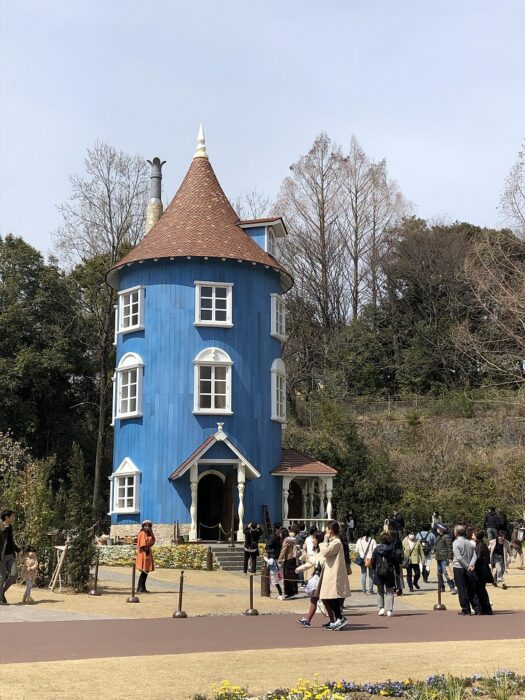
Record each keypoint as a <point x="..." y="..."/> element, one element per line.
<point x="439" y="605"/>
<point x="94" y="590"/>
<point x="265" y="581"/>
<point x="251" y="610"/>
<point x="209" y="559"/>
<point x="179" y="613"/>
<point x="133" y="598"/>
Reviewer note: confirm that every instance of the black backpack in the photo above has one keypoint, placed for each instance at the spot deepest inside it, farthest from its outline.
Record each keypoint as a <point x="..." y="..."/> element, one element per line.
<point x="426" y="545"/>
<point x="382" y="565"/>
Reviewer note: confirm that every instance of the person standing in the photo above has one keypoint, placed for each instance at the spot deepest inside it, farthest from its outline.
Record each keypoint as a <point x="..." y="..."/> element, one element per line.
<point x="287" y="560"/>
<point x="444" y="555"/>
<point x="8" y="553"/>
<point x="413" y="556"/>
<point x="428" y="542"/>
<point x="364" y="549"/>
<point x="482" y="571"/>
<point x="350" y="526"/>
<point x="29" y="572"/>
<point x="499" y="556"/>
<point x="252" y="535"/>
<point x="463" y="564"/>
<point x="436" y="520"/>
<point x="397" y="522"/>
<point x="274" y="543"/>
<point x="144" y="561"/>
<point x="384" y="566"/>
<point x="334" y="581"/>
<point x="516" y="543"/>
<point x="491" y="523"/>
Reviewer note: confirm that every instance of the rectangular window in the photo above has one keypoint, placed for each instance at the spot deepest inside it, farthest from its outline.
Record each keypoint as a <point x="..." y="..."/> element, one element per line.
<point x="278" y="321"/>
<point x="128" y="392"/>
<point x="131" y="310"/>
<point x="125" y="488"/>
<point x="213" y="388"/>
<point x="213" y="304"/>
<point x="280" y="398"/>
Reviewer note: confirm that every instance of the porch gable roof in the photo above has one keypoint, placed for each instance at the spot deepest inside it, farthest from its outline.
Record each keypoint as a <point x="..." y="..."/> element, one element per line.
<point x="295" y="463"/>
<point x="199" y="452"/>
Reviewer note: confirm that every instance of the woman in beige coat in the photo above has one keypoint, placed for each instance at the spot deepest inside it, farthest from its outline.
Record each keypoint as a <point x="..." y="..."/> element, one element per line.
<point x="334" y="581"/>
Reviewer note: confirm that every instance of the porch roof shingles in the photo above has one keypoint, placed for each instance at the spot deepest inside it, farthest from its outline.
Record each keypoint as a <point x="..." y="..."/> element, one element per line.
<point x="296" y="463"/>
<point x="194" y="455"/>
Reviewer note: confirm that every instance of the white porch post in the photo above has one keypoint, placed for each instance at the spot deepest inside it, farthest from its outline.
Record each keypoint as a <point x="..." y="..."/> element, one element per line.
<point x="194" y="473"/>
<point x="241" y="479"/>
<point x="329" y="487"/>
<point x="322" y="493"/>
<point x="286" y="486"/>
<point x="311" y="498"/>
<point x="304" y="493"/>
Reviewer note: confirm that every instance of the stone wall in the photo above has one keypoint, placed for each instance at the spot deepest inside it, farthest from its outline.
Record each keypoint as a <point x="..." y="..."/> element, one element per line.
<point x="163" y="532"/>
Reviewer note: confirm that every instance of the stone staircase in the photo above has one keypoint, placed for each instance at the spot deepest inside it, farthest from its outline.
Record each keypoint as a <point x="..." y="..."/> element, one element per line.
<point x="230" y="559"/>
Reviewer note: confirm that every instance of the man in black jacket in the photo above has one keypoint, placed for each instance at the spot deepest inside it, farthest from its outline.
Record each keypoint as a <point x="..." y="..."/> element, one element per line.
<point x="444" y="555"/>
<point x="8" y="551"/>
<point x="274" y="544"/>
<point x="491" y="524"/>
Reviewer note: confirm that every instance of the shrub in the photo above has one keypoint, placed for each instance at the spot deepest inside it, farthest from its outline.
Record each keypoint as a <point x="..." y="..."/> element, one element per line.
<point x="182" y="556"/>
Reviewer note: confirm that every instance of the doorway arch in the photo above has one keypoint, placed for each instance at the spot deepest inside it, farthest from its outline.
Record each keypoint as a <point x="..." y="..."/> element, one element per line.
<point x="210" y="504"/>
<point x="295" y="501"/>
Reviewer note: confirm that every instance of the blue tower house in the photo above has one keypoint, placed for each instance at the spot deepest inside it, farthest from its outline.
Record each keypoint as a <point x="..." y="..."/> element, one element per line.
<point x="199" y="399"/>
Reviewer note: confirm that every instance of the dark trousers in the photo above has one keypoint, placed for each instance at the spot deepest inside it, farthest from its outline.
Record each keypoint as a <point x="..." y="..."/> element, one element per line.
<point x="250" y="557"/>
<point x="290" y="578"/>
<point x="483" y="597"/>
<point x="141" y="585"/>
<point x="466" y="591"/>
<point x="333" y="605"/>
<point x="413" y="575"/>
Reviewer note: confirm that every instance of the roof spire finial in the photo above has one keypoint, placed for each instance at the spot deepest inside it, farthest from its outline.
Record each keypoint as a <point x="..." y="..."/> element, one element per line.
<point x="201" y="145"/>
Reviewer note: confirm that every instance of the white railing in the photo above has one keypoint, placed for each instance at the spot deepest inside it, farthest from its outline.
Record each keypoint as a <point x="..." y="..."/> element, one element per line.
<point x="320" y="523"/>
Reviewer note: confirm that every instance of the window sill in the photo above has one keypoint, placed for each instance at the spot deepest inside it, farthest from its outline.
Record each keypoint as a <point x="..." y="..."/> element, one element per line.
<point x="211" y="324"/>
<point x="131" y="329"/>
<point x="212" y="412"/>
<point x="124" y="511"/>
<point x="124" y="416"/>
<point x="278" y="336"/>
<point x="279" y="420"/>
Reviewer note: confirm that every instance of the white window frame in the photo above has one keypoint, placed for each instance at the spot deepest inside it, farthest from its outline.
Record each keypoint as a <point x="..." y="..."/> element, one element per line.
<point x="278" y="378"/>
<point x="228" y="323"/>
<point x="270" y="241"/>
<point x="127" y="471"/>
<point x="212" y="357"/>
<point x="129" y="362"/>
<point x="139" y="326"/>
<point x="278" y="320"/>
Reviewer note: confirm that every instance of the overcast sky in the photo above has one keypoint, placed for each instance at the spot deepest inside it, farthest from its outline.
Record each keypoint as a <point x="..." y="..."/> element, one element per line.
<point x="435" y="87"/>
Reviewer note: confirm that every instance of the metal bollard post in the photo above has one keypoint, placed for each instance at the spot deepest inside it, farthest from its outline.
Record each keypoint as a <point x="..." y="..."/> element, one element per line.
<point x="439" y="605"/>
<point x="94" y="590"/>
<point x="133" y="598"/>
<point x="209" y="560"/>
<point x="179" y="613"/>
<point x="265" y="581"/>
<point x="251" y="610"/>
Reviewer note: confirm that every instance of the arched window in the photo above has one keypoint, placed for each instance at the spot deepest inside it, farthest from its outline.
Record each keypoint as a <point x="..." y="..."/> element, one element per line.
<point x="212" y="385"/>
<point x="278" y="374"/>
<point x="128" y="386"/>
<point x="270" y="241"/>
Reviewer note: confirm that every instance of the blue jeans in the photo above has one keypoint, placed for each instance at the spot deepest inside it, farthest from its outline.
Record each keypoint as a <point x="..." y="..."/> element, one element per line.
<point x="442" y="566"/>
<point x="364" y="571"/>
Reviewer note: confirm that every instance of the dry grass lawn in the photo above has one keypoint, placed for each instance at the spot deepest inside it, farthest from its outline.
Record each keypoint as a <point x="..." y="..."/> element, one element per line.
<point x="178" y="677"/>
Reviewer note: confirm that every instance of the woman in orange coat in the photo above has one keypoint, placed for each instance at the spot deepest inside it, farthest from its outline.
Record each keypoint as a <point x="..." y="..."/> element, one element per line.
<point x="144" y="561"/>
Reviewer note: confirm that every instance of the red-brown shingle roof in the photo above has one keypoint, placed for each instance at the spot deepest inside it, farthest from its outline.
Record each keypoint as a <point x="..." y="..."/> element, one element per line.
<point x="199" y="222"/>
<point x="295" y="463"/>
<point x="195" y="454"/>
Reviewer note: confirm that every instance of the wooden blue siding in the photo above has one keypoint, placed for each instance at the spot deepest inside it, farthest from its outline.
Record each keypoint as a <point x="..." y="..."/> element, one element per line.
<point x="258" y="234"/>
<point x="168" y="432"/>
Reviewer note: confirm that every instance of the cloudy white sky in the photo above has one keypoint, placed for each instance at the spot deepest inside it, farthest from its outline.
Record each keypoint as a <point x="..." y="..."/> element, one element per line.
<point x="435" y="87"/>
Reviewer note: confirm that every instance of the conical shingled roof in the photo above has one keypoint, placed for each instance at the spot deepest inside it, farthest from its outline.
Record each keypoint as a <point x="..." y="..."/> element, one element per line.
<point x="199" y="222"/>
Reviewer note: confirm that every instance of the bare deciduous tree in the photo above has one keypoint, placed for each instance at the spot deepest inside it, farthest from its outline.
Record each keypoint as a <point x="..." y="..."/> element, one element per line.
<point x="512" y="202"/>
<point x="252" y="204"/>
<point x="103" y="218"/>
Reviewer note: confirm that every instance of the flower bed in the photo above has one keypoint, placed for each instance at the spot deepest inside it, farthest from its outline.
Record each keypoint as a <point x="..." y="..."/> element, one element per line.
<point x="503" y="685"/>
<point x="182" y="556"/>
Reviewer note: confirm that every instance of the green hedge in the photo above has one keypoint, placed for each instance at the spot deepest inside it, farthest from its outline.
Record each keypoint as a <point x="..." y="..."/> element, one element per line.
<point x="191" y="556"/>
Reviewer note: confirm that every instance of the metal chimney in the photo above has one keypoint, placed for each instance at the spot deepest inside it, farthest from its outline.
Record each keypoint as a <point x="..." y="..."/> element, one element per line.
<point x="155" y="208"/>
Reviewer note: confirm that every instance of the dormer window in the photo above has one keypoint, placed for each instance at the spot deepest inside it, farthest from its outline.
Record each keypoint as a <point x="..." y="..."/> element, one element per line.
<point x="278" y="317"/>
<point x="212" y="382"/>
<point x="270" y="241"/>
<point x="213" y="304"/>
<point x="131" y="310"/>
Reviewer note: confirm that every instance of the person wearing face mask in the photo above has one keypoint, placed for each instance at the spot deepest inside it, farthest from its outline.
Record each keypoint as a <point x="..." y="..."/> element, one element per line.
<point x="413" y="555"/>
<point x="144" y="561"/>
<point x="499" y="556"/>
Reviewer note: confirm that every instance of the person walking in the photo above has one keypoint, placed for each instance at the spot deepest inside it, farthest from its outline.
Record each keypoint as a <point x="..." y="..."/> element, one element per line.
<point x="428" y="542"/>
<point x="144" y="561"/>
<point x="491" y="524"/>
<point x="312" y="568"/>
<point x="463" y="565"/>
<point x="29" y="572"/>
<point x="444" y="555"/>
<point x="436" y="520"/>
<point x="287" y="560"/>
<point x="252" y="535"/>
<point x="8" y="553"/>
<point x="334" y="580"/>
<point x="350" y="525"/>
<point x="413" y="556"/>
<point x="516" y="543"/>
<point x="482" y="571"/>
<point x="274" y="543"/>
<point x="499" y="549"/>
<point x="364" y="548"/>
<point x="384" y="566"/>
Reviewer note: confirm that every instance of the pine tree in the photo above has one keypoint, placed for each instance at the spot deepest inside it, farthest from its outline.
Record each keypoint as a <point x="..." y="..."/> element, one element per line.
<point x="82" y="546"/>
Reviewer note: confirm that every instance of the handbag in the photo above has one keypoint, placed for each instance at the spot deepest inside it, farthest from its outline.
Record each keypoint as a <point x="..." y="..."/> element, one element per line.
<point x="311" y="586"/>
<point x="362" y="560"/>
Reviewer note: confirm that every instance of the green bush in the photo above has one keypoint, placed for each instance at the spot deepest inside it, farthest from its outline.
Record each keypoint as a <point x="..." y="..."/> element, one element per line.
<point x="182" y="556"/>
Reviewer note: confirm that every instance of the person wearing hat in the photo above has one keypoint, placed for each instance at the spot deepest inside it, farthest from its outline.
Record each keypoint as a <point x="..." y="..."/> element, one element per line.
<point x="144" y="561"/>
<point x="444" y="555"/>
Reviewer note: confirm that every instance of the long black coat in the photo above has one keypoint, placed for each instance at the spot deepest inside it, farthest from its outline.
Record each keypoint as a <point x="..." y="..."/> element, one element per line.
<point x="273" y="546"/>
<point x="482" y="565"/>
<point x="389" y="553"/>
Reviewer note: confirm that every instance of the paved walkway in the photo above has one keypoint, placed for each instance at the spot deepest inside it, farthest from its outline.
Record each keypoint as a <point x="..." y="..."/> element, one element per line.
<point x="52" y="641"/>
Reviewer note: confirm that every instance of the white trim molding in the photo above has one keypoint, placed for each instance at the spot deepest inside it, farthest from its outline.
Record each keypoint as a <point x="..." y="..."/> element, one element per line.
<point x="216" y="304"/>
<point x="212" y="382"/>
<point x="278" y="378"/>
<point x="130" y="312"/>
<point x="124" y="495"/>
<point x="278" y="317"/>
<point x="128" y="392"/>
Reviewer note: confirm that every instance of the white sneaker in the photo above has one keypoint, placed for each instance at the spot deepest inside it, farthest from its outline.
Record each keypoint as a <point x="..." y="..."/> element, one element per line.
<point x="279" y="597"/>
<point x="381" y="611"/>
<point x="389" y="613"/>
